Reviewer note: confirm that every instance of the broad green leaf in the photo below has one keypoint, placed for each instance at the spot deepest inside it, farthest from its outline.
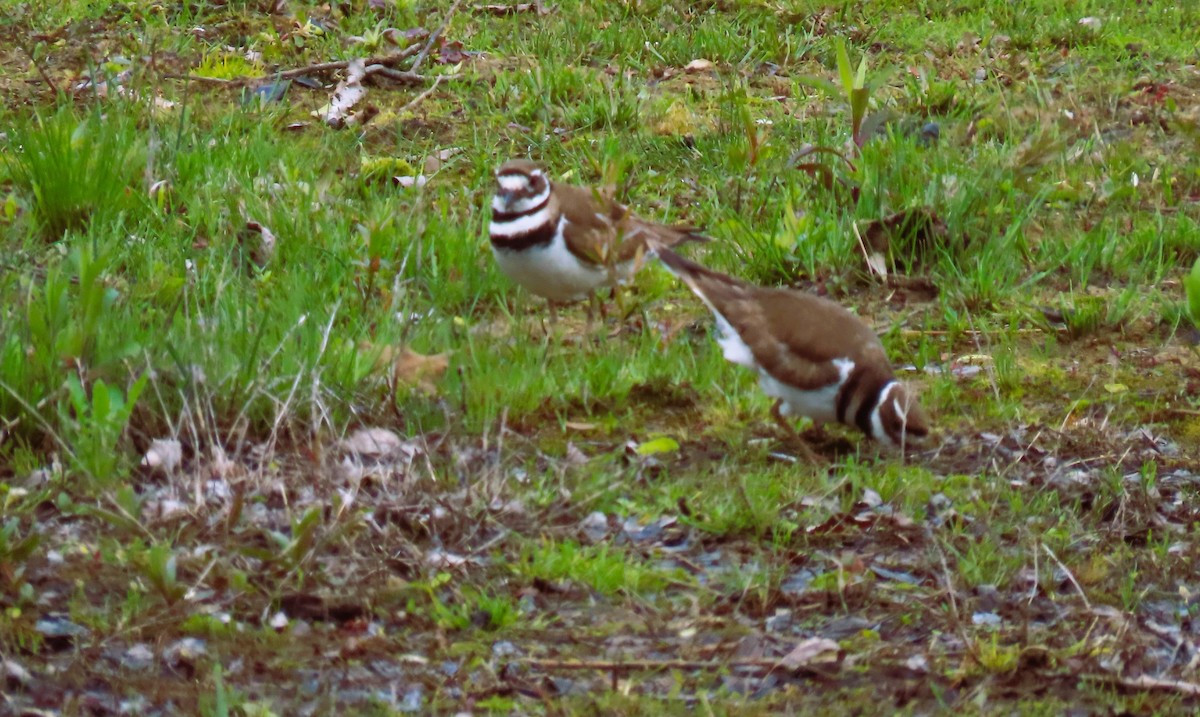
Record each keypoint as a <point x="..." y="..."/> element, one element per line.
<point x="1191" y="285"/>
<point x="843" y="61"/>
<point x="101" y="401"/>
<point x="819" y="83"/>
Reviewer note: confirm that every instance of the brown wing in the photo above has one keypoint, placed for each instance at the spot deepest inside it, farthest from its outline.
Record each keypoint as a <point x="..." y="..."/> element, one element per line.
<point x="602" y="230"/>
<point x="591" y="231"/>
<point x="788" y="356"/>
<point x="792" y="335"/>
<point x="812" y="331"/>
<point x="639" y="234"/>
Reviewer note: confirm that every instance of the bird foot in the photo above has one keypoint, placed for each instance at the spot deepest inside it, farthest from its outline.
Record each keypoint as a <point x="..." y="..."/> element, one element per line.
<point x="794" y="438"/>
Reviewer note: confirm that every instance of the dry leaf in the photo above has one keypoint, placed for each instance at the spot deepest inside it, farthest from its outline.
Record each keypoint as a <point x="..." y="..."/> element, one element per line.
<point x="877" y="263"/>
<point x="348" y="93"/>
<point x="420" y="370"/>
<point x="434" y="162"/>
<point x="575" y="457"/>
<point x="116" y="82"/>
<point x="409" y="368"/>
<point x="810" y="652"/>
<point x="408" y="182"/>
<point x="913" y="233"/>
<point x="164" y="454"/>
<point x="266" y="243"/>
<point x="438" y="558"/>
<point x="371" y="443"/>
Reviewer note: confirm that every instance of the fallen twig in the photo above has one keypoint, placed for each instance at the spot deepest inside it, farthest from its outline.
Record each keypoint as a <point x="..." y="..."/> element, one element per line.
<point x="1070" y="576"/>
<point x="1146" y="682"/>
<point x="37" y="65"/>
<point x="434" y="37"/>
<point x="498" y="9"/>
<point x="421" y="97"/>
<point x="406" y="76"/>
<point x="386" y="62"/>
<point x="647" y="665"/>
<point x="964" y="332"/>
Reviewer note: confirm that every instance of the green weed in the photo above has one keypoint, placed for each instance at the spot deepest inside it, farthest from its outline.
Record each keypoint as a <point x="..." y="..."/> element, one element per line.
<point x="76" y="169"/>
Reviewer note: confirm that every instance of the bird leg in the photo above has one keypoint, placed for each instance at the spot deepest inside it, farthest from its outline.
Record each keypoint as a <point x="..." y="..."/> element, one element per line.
<point x="553" y="318"/>
<point x="790" y="431"/>
<point x="595" y="303"/>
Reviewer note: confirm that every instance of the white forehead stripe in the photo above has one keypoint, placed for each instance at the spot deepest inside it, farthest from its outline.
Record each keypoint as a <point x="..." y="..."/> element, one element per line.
<point x="520" y="206"/>
<point x="521" y="225"/>
<point x="513" y="182"/>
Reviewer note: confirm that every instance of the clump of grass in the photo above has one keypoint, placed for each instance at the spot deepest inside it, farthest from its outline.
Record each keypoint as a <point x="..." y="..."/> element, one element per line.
<point x="226" y="66"/>
<point x="1192" y="287"/>
<point x="602" y="568"/>
<point x="75" y="168"/>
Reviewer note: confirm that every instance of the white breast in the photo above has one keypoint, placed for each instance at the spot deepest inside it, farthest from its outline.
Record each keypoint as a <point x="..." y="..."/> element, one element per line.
<point x="551" y="271"/>
<point x="819" y="405"/>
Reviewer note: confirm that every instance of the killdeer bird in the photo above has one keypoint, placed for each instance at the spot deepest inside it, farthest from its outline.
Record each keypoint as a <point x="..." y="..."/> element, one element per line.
<point x="812" y="356"/>
<point x="564" y="242"/>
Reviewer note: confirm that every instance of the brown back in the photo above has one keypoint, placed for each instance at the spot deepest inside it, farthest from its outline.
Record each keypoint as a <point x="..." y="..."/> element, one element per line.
<point x="793" y="335"/>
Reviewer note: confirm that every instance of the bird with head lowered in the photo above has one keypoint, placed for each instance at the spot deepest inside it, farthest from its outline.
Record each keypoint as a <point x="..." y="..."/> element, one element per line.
<point x="813" y="356"/>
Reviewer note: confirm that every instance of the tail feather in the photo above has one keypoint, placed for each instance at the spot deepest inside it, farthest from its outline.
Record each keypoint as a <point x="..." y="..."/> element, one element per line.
<point x="688" y="233"/>
<point x="699" y="278"/>
<point x="665" y="235"/>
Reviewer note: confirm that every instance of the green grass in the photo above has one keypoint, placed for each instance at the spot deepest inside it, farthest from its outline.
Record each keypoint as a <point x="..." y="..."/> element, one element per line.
<point x="1040" y="310"/>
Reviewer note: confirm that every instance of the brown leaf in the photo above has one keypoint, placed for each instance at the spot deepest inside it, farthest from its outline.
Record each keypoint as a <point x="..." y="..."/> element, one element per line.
<point x="911" y="234"/>
<point x="262" y="250"/>
<point x="410" y="368"/>
<point x="451" y="53"/>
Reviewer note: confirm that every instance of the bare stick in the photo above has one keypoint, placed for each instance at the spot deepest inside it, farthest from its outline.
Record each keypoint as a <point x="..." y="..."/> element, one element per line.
<point x="434" y="37"/>
<point x="37" y="65"/>
<point x="1146" y="682"/>
<point x="316" y="69"/>
<point x="642" y="665"/>
<point x="405" y="76"/>
<point x="421" y="97"/>
<point x="1070" y="575"/>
